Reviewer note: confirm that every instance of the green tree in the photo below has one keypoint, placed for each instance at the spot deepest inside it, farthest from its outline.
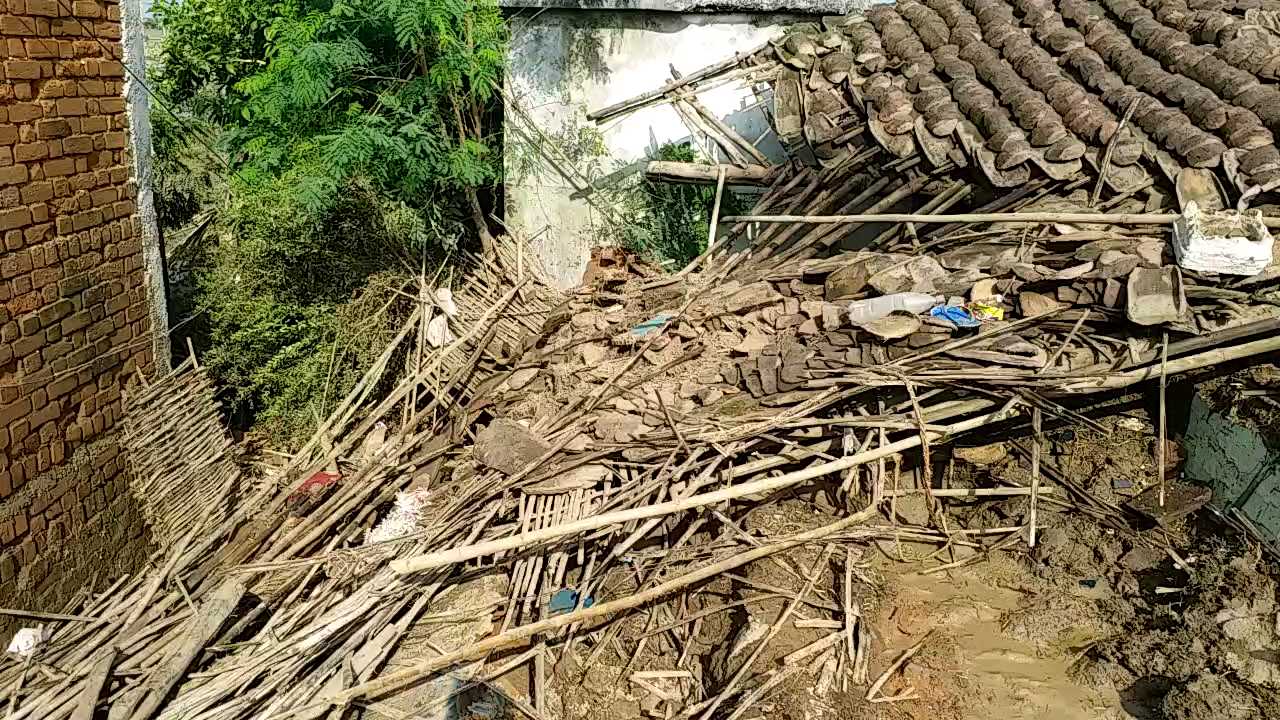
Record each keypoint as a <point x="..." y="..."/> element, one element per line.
<point x="359" y="140"/>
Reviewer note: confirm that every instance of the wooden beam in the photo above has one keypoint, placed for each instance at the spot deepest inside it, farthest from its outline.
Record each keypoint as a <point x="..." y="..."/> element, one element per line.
<point x="682" y="172"/>
<point x="655" y="94"/>
<point x="1022" y="217"/>
<point x="98" y="675"/>
<point x="201" y="630"/>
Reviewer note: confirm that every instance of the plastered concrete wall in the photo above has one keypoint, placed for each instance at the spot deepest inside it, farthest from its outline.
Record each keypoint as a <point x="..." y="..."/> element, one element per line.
<point x="1233" y="459"/>
<point x="75" y="316"/>
<point x="564" y="63"/>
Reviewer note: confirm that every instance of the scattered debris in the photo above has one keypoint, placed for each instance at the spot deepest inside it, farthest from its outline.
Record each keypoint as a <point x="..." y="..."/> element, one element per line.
<point x="697" y="522"/>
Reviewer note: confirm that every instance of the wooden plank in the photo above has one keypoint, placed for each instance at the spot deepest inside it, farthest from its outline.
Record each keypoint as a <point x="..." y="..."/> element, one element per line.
<point x="682" y="172"/>
<point x="92" y="690"/>
<point x="204" y="628"/>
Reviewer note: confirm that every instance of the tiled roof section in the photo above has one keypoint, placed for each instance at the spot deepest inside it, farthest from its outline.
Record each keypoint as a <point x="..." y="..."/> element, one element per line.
<point x="1018" y="87"/>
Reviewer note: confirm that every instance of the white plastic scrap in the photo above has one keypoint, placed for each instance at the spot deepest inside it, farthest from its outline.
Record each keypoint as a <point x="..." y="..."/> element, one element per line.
<point x="1222" y="242"/>
<point x="444" y="301"/>
<point x="438" y="333"/>
<point x="27" y="640"/>
<point x="402" y="520"/>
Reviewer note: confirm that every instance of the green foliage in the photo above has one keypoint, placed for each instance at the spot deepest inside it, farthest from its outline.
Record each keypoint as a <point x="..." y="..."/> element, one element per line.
<point x="391" y="93"/>
<point x="357" y="133"/>
<point x="187" y="178"/>
<point x="209" y="46"/>
<point x="293" y="319"/>
<point x="678" y="216"/>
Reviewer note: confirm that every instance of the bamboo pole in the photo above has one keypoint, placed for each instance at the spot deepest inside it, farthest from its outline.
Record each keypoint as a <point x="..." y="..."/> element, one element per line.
<point x="395" y="680"/>
<point x="1020" y="217"/>
<point x="694" y="173"/>
<point x="408" y="565"/>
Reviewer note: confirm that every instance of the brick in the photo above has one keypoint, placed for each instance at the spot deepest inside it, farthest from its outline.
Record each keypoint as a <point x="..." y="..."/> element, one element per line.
<point x="13" y="175"/>
<point x="29" y="325"/>
<point x="56" y="128"/>
<point x="65" y="27"/>
<point x="62" y="386"/>
<point x="85" y="219"/>
<point x="56" y="312"/>
<point x="75" y="322"/>
<point x="27" y="346"/>
<point x="46" y="8"/>
<point x="15" y="218"/>
<point x="22" y="69"/>
<point x="37" y="192"/>
<point x="40" y="48"/>
<point x="8" y="134"/>
<point x="24" y="112"/>
<point x="111" y="68"/>
<point x="69" y="106"/>
<point x="11" y="25"/>
<point x="15" y="411"/>
<point x="86" y="9"/>
<point x="92" y="124"/>
<point x="26" y="152"/>
<point x="77" y="145"/>
<point x="59" y="167"/>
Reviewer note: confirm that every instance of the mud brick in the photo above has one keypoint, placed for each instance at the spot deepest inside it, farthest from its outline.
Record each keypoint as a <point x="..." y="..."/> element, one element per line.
<point x="787" y="321"/>
<point x="28" y="325"/>
<point x="841" y="339"/>
<point x="15" y="218"/>
<point x="729" y="371"/>
<point x="752" y="380"/>
<point x="22" y="69"/>
<point x="78" y="321"/>
<point x="15" y="411"/>
<point x="768" y="365"/>
<point x="55" y="312"/>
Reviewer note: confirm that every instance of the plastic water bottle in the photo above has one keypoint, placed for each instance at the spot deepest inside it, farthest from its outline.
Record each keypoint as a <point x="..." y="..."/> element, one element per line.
<point x="872" y="309"/>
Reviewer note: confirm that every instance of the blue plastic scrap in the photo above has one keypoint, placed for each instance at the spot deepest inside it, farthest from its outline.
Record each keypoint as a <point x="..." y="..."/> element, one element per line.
<point x="955" y="314"/>
<point x="566" y="600"/>
<point x="652" y="325"/>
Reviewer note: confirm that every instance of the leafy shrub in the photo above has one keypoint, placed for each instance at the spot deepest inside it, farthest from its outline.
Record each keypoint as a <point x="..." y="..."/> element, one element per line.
<point x="358" y="136"/>
<point x="677" y="216"/>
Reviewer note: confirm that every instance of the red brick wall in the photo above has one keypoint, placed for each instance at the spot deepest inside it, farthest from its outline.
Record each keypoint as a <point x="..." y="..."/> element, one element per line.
<point x="74" y="325"/>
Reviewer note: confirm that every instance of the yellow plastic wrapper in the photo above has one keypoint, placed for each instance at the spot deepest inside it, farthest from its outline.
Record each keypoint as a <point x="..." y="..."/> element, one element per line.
<point x="982" y="311"/>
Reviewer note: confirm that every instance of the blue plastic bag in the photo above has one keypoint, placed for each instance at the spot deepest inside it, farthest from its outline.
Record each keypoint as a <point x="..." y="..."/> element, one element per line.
<point x="955" y="314"/>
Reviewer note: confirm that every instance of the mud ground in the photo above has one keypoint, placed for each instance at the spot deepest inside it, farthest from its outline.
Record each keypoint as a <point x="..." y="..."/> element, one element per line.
<point x="1093" y="623"/>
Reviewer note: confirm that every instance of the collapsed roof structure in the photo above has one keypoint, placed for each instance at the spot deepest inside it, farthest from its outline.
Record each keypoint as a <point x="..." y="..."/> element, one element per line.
<point x="563" y="463"/>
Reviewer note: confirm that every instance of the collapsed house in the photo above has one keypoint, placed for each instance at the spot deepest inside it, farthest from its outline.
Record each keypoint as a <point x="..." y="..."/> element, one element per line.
<point x="558" y="484"/>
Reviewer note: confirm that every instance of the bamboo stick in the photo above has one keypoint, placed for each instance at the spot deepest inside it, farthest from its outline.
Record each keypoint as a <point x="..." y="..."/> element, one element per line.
<point x="398" y="679"/>
<point x="408" y="565"/>
<point x="1034" y="218"/>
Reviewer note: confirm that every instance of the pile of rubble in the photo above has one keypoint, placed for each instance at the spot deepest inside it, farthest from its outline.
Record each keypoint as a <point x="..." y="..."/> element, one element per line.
<point x="555" y="478"/>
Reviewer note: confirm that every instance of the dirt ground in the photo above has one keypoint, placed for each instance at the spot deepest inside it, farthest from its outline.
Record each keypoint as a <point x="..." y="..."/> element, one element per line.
<point x="1092" y="624"/>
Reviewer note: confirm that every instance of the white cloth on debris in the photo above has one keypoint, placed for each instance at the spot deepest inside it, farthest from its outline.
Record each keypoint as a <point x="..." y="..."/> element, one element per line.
<point x="444" y="301"/>
<point x="402" y="520"/>
<point x="438" y="333"/>
<point x="26" y="640"/>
